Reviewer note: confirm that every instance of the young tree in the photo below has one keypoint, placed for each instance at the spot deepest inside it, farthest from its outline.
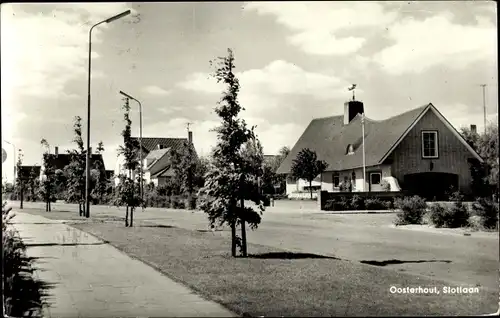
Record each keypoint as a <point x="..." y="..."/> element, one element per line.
<point x="307" y="166"/>
<point x="185" y="164"/>
<point x="49" y="178"/>
<point x="129" y="189"/>
<point x="75" y="170"/>
<point x="32" y="185"/>
<point x="230" y="179"/>
<point x="20" y="178"/>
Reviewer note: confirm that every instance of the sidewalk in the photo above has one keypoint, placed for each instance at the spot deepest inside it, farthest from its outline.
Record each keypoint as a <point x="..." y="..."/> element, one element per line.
<point x="93" y="279"/>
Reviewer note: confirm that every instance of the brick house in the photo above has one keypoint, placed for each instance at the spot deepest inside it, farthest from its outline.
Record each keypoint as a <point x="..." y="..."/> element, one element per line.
<point x="418" y="151"/>
<point x="60" y="160"/>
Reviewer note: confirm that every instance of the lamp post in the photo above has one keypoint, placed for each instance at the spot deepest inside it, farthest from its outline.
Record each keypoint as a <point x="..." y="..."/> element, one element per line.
<point x="87" y="179"/>
<point x="140" y="140"/>
<point x="364" y="159"/>
<point x="14" y="149"/>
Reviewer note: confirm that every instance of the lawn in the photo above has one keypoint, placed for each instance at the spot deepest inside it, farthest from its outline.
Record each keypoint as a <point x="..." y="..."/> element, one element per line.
<point x="273" y="282"/>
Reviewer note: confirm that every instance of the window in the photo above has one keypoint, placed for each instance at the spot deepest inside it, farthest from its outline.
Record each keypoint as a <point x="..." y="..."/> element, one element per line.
<point x="353" y="178"/>
<point x="375" y="178"/>
<point x="429" y="144"/>
<point x="336" y="179"/>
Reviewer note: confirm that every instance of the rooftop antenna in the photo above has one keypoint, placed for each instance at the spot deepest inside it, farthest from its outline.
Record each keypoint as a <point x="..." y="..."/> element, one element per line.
<point x="352" y="88"/>
<point x="484" y="105"/>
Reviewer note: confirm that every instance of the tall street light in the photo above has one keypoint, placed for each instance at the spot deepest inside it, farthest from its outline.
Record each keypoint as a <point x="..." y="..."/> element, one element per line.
<point x="87" y="179"/>
<point x="14" y="149"/>
<point x="140" y="139"/>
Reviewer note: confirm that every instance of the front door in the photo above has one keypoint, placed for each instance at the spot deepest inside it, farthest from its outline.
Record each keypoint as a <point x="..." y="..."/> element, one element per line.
<point x="375" y="181"/>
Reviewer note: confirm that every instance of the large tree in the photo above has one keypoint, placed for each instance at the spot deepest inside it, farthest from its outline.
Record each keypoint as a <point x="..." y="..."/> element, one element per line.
<point x="231" y="178"/>
<point x="484" y="175"/>
<point x="270" y="177"/>
<point x="128" y="190"/>
<point x="307" y="166"/>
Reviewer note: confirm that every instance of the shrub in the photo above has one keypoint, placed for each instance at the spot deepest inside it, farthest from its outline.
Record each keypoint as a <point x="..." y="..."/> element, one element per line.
<point x="438" y="214"/>
<point x="357" y="203"/>
<point x="458" y="215"/>
<point x="375" y="204"/>
<point x="487" y="210"/>
<point x="452" y="216"/>
<point x="388" y="204"/>
<point x="412" y="210"/>
<point x="338" y="204"/>
<point x="22" y="294"/>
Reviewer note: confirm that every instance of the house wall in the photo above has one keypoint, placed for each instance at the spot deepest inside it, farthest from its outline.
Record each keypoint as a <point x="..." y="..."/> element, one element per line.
<point x="453" y="155"/>
<point x="296" y="186"/>
<point x="327" y="177"/>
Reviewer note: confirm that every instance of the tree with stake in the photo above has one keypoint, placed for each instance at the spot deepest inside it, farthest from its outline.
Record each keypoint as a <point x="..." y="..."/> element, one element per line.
<point x="32" y="185"/>
<point x="306" y="166"/>
<point x="229" y="180"/>
<point x="128" y="189"/>
<point x="20" y="178"/>
<point x="49" y="178"/>
<point x="76" y="169"/>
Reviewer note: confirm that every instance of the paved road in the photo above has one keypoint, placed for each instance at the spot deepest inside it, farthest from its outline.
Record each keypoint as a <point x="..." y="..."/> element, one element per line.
<point x="93" y="279"/>
<point x="455" y="258"/>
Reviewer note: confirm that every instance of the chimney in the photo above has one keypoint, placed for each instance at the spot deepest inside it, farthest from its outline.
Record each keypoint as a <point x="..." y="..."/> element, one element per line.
<point x="473" y="129"/>
<point x="351" y="109"/>
<point x="190" y="137"/>
<point x="56" y="150"/>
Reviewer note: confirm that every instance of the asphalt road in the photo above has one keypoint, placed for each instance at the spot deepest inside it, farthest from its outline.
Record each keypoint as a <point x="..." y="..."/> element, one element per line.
<point x="369" y="238"/>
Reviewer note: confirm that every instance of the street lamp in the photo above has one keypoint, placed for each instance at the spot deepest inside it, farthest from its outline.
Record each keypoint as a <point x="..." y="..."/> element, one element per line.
<point x="14" y="149"/>
<point x="87" y="179"/>
<point x="140" y="139"/>
<point x="364" y="159"/>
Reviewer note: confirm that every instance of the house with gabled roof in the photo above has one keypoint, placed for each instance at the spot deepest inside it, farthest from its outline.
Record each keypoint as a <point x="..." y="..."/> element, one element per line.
<point x="157" y="160"/>
<point x="418" y="151"/>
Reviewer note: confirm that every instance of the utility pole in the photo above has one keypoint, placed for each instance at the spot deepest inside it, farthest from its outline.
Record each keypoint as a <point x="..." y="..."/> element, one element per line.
<point x="484" y="105"/>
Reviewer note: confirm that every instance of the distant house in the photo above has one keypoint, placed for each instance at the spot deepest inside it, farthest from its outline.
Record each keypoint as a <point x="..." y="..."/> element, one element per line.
<point x="418" y="151"/>
<point x="157" y="161"/>
<point x="25" y="172"/>
<point x="60" y="160"/>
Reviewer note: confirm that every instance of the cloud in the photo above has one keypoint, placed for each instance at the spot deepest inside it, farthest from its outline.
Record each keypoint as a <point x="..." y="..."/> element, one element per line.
<point x="272" y="137"/>
<point x="59" y="36"/>
<point x="420" y="45"/>
<point x="317" y="26"/>
<point x="269" y="87"/>
<point x="155" y="90"/>
<point x="461" y="115"/>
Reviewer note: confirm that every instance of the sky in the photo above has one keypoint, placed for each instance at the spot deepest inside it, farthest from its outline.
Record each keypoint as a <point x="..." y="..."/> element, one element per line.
<point x="294" y="60"/>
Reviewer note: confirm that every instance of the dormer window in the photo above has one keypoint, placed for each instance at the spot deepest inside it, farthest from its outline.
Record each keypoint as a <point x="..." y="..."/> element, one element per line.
<point x="160" y="146"/>
<point x="350" y="149"/>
